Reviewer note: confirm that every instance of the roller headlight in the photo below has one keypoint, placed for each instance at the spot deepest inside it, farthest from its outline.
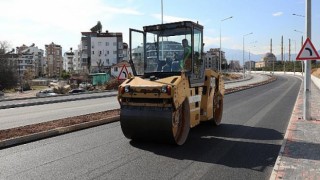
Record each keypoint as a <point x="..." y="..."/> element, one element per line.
<point x="127" y="89"/>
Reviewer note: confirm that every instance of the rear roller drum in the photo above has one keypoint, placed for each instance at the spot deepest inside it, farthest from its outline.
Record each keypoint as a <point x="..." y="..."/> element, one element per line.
<point x="181" y="123"/>
<point x="217" y="109"/>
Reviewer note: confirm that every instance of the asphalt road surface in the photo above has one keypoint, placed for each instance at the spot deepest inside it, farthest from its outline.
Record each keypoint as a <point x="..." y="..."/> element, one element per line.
<point x="244" y="146"/>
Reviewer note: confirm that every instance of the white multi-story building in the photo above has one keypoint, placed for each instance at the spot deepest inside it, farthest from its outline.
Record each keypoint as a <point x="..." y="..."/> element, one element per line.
<point x="77" y="61"/>
<point x="99" y="51"/>
<point x="68" y="61"/>
<point x="31" y="59"/>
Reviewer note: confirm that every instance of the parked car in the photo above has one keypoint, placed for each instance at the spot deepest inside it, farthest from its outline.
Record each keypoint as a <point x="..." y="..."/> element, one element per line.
<point x="76" y="91"/>
<point x="85" y="85"/>
<point x="46" y="93"/>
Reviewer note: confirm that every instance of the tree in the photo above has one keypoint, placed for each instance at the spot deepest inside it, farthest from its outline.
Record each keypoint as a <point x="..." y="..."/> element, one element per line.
<point x="65" y="75"/>
<point x="100" y="65"/>
<point x="4" y="47"/>
<point x="8" y="73"/>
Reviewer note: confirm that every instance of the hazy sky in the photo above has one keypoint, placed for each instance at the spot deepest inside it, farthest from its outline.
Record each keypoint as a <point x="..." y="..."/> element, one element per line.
<point x="62" y="21"/>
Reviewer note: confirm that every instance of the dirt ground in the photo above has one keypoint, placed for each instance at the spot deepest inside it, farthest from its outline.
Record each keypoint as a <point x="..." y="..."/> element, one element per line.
<point x="316" y="72"/>
<point x="24" y="94"/>
<point x="65" y="122"/>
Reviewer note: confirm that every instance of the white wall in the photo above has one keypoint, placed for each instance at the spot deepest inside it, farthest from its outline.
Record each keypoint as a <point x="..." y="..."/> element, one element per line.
<point x="103" y="51"/>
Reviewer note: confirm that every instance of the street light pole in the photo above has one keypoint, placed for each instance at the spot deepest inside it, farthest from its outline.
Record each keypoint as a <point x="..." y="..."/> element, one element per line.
<point x="302" y="69"/>
<point x="295" y="52"/>
<point x="298" y="15"/>
<point x="250" y="63"/>
<point x="220" y="42"/>
<point x="161" y="11"/>
<point x="162" y="36"/>
<point x="302" y="64"/>
<point x="244" y="72"/>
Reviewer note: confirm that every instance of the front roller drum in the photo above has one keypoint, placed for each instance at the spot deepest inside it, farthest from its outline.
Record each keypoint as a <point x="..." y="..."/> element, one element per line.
<point x="165" y="125"/>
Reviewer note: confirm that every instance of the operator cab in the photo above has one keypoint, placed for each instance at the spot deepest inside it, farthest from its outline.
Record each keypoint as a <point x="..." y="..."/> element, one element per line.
<point x="168" y="49"/>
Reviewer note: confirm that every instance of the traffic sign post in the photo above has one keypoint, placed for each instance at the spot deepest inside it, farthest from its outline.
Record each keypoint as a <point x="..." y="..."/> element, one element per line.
<point x="123" y="75"/>
<point x="308" y="51"/>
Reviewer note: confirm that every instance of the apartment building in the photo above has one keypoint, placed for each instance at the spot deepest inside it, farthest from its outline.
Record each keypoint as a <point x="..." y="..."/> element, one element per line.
<point x="68" y="61"/>
<point x="77" y="61"/>
<point x="31" y="59"/>
<point x="212" y="59"/>
<point x="249" y="65"/>
<point x="99" y="51"/>
<point x="54" y="60"/>
<point x="234" y="65"/>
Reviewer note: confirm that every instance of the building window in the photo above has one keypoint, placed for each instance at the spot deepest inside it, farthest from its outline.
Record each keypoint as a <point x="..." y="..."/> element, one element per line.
<point x="92" y="52"/>
<point x="107" y="61"/>
<point x="107" y="52"/>
<point x="115" y="69"/>
<point x="107" y="43"/>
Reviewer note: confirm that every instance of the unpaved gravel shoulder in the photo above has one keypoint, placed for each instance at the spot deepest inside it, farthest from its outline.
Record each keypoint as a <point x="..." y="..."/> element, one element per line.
<point x="65" y="122"/>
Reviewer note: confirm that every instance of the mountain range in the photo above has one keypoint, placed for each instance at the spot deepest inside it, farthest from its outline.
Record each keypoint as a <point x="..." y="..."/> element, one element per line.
<point x="236" y="54"/>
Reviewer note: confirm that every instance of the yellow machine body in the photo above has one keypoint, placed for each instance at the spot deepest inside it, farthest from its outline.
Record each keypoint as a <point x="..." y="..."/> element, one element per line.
<point x="163" y="106"/>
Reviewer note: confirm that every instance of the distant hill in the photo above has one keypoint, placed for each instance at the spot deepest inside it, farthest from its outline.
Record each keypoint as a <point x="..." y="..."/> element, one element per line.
<point x="236" y="54"/>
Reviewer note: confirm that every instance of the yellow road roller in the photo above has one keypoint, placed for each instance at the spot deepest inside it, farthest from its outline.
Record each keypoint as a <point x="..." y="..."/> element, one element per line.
<point x="169" y="90"/>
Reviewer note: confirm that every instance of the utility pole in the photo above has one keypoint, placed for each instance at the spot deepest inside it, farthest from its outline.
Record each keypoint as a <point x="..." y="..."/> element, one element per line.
<point x="244" y="71"/>
<point x="289" y="49"/>
<point x="284" y="61"/>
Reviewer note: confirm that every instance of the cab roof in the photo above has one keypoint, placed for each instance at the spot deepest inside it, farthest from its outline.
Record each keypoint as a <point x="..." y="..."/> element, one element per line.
<point x="175" y="27"/>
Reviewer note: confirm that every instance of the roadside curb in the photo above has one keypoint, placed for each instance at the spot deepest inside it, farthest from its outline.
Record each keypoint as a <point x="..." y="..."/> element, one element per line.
<point x="55" y="132"/>
<point x="241" y="88"/>
<point x="240" y="80"/>
<point x="284" y="168"/>
<point x="277" y="173"/>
